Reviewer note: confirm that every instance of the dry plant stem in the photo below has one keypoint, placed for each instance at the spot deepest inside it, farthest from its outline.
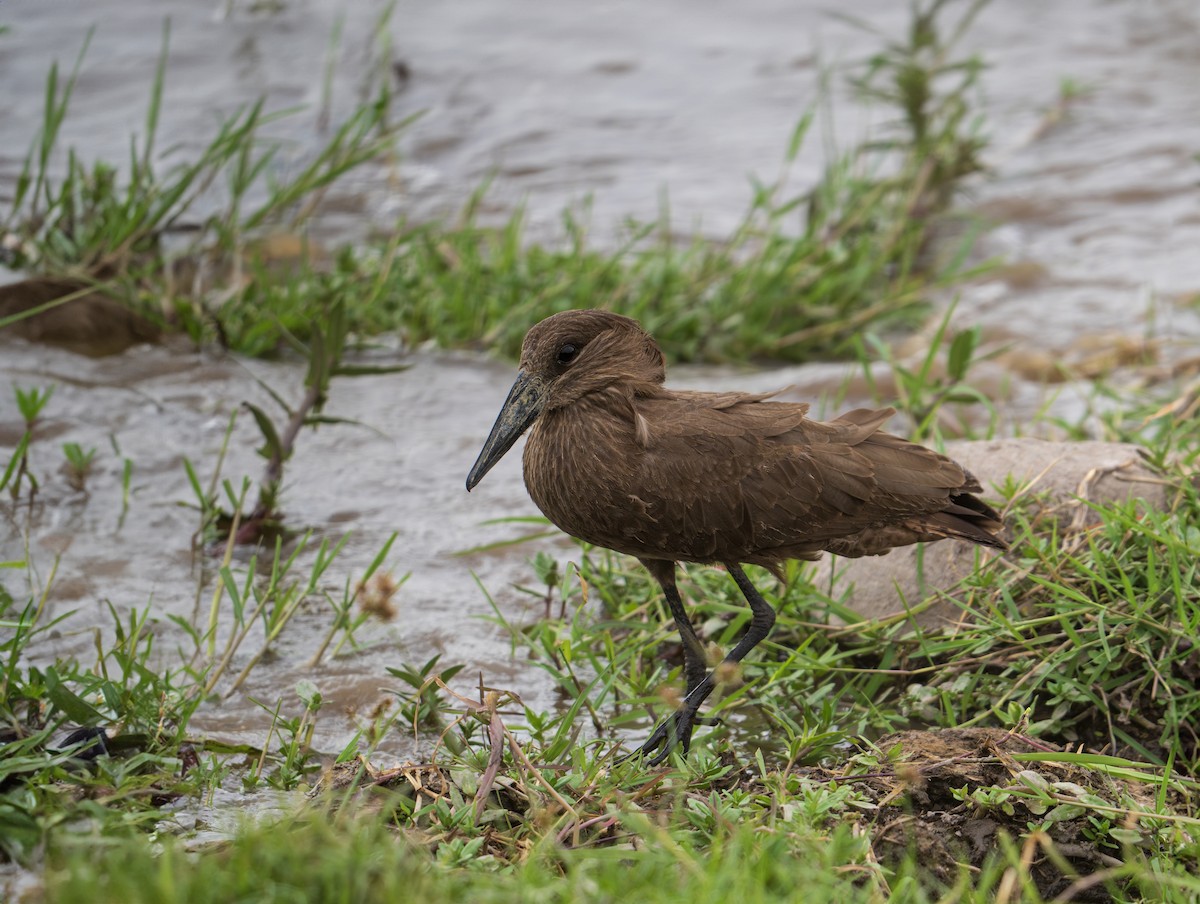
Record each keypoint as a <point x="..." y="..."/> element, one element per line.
<point x="212" y="490"/>
<point x="828" y="331"/>
<point x="271" y="636"/>
<point x="221" y="453"/>
<point x="237" y="637"/>
<point x="495" y="734"/>
<point x="1073" y="891"/>
<point x="95" y="286"/>
<point x="333" y="629"/>
<point x="608" y="821"/>
<point x="219" y="590"/>
<point x="262" y="754"/>
<point x="273" y="474"/>
<point x="1020" y="873"/>
<point x="235" y="641"/>
<point x="45" y="594"/>
<point x="531" y="769"/>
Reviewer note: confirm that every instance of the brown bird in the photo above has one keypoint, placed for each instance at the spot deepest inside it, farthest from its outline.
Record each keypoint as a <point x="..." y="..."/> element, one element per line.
<point x="618" y="460"/>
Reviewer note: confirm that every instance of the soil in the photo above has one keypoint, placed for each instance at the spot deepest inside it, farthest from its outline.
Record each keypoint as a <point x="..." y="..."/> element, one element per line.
<point x="919" y="809"/>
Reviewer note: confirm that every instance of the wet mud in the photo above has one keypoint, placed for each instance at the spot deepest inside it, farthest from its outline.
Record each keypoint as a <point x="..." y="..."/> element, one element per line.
<point x="921" y="806"/>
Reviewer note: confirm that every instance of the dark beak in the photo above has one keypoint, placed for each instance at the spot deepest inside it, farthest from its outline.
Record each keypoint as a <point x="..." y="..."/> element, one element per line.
<point x="521" y="408"/>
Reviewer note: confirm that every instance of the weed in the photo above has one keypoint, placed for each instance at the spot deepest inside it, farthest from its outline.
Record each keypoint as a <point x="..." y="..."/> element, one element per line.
<point x="859" y="256"/>
<point x="108" y="743"/>
<point x="924" y="393"/>
<point x="270" y="604"/>
<point x="373" y="593"/>
<point x="30" y="403"/>
<point x="16" y="471"/>
<point x="939" y="139"/>
<point x="324" y="352"/>
<point x="422" y="708"/>
<point x="78" y="463"/>
<point x="294" y="760"/>
<point x="105" y="230"/>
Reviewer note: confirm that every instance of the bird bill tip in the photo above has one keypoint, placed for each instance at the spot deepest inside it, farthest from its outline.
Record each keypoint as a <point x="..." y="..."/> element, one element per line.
<point x="476" y="474"/>
<point x="520" y="409"/>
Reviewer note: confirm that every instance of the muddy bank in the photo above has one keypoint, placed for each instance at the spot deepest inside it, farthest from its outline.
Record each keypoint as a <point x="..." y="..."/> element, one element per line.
<point x="952" y="794"/>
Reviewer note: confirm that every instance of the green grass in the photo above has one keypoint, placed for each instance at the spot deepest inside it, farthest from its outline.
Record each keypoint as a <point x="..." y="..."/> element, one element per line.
<point x="361" y="860"/>
<point x="107" y="228"/>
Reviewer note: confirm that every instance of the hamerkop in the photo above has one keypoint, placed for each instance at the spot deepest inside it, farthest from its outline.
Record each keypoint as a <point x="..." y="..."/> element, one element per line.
<point x="618" y="460"/>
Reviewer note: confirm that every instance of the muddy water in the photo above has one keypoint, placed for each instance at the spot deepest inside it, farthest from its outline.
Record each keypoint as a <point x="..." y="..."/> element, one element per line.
<point x="404" y="474"/>
<point x="1095" y="205"/>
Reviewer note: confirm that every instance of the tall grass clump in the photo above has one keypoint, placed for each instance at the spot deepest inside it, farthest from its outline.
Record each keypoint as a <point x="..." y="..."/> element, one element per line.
<point x="175" y="243"/>
<point x="801" y="275"/>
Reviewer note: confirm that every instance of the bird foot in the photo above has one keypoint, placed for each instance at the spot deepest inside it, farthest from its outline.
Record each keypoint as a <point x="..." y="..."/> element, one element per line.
<point x="673" y="731"/>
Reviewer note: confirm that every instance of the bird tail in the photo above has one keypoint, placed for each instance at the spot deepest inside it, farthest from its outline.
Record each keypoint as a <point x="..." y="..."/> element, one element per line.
<point x="967" y="517"/>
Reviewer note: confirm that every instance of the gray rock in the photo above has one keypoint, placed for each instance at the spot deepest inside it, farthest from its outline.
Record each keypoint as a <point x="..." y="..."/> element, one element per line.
<point x="922" y="580"/>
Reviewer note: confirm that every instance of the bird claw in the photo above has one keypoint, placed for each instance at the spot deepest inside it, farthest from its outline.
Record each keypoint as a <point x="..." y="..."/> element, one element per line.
<point x="673" y="731"/>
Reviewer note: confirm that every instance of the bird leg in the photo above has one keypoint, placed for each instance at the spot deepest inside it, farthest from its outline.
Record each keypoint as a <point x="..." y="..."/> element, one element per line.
<point x="676" y="729"/>
<point x="761" y="621"/>
<point x="694" y="665"/>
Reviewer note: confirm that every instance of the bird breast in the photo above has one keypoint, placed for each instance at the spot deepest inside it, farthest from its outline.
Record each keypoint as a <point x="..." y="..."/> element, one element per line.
<point x="584" y="466"/>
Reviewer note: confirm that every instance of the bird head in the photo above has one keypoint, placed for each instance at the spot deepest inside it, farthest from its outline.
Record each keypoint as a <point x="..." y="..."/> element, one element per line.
<point x="564" y="358"/>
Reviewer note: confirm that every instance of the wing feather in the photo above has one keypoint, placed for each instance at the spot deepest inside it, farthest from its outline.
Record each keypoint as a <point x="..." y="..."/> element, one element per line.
<point x="741" y="475"/>
<point x="729" y="477"/>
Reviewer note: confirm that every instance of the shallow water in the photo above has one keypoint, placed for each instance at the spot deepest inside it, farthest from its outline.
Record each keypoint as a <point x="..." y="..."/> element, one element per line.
<point x="405" y="474"/>
<point x="1098" y="210"/>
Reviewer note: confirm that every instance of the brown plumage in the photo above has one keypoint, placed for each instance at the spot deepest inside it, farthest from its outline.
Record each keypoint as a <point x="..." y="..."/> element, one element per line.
<point x="618" y="460"/>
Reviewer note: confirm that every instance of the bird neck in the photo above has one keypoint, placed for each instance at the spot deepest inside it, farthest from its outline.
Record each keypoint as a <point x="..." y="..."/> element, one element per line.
<point x="609" y="411"/>
<point x="576" y="458"/>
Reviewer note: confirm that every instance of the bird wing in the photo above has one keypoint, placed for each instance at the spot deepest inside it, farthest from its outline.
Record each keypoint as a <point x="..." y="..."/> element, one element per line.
<point x="740" y="477"/>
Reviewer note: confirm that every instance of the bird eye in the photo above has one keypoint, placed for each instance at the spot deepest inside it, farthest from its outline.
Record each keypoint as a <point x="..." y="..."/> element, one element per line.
<point x="567" y="354"/>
